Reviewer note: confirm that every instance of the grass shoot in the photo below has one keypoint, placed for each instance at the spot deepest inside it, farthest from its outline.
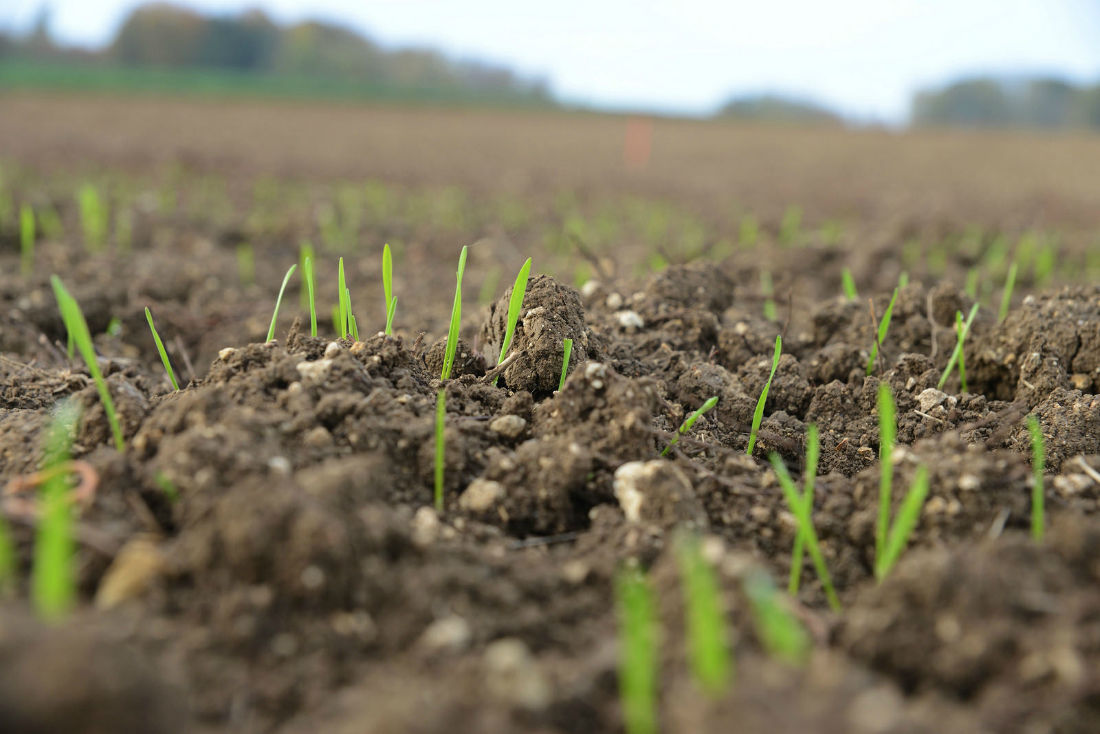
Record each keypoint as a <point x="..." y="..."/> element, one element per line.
<point x="167" y="486"/>
<point x="906" y="520"/>
<point x="160" y="350"/>
<point x="887" y="431"/>
<point x="343" y="300"/>
<point x="849" y="284"/>
<point x="387" y="287"/>
<point x="962" y="329"/>
<point x="82" y="338"/>
<point x="53" y="585"/>
<point x="813" y="451"/>
<point x="7" y="560"/>
<point x="515" y="305"/>
<point x="279" y="301"/>
<point x="567" y="352"/>
<point x="705" y="620"/>
<point x="1038" y="466"/>
<point x="803" y="513"/>
<point x="456" y="320"/>
<point x="1006" y="294"/>
<point x="307" y="272"/>
<point x="880" y="336"/>
<point x="758" y="414"/>
<point x="93" y="217"/>
<point x="246" y="264"/>
<point x="26" y="240"/>
<point x="778" y="629"/>
<point x="638" y="651"/>
<point x="689" y="422"/>
<point x="305" y="252"/>
<point x="767" y="288"/>
<point x="440" y="447"/>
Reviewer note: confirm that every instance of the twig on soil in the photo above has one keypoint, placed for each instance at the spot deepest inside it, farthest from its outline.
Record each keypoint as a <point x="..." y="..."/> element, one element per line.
<point x="186" y="358"/>
<point x="930" y="417"/>
<point x="492" y="374"/>
<point x="1093" y="474"/>
<point x="544" y="540"/>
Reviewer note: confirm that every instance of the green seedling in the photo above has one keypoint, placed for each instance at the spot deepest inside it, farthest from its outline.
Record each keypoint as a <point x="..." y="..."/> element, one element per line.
<point x="749" y="231"/>
<point x="567" y="352"/>
<point x="813" y="450"/>
<point x="387" y="287"/>
<point x="307" y="270"/>
<point x="279" y="301"/>
<point x="114" y="326"/>
<point x="903" y="279"/>
<point x="456" y="319"/>
<point x="82" y="338"/>
<point x="906" y="520"/>
<point x="246" y="264"/>
<point x="344" y="301"/>
<point x="515" y="305"/>
<point x="7" y="560"/>
<point x="962" y="329"/>
<point x="803" y="513"/>
<point x="639" y="637"/>
<point x="171" y="492"/>
<point x="1038" y="466"/>
<point x="849" y="284"/>
<point x="1006" y="294"/>
<point x="53" y="582"/>
<point x="880" y="336"/>
<point x="887" y="430"/>
<point x="50" y="222"/>
<point x="689" y="422"/>
<point x="93" y="218"/>
<point x="790" y="226"/>
<point x="305" y="252"/>
<point x="26" y="240"/>
<point x="758" y="414"/>
<point x="124" y="231"/>
<point x="973" y="277"/>
<point x="768" y="289"/>
<point x="160" y="350"/>
<point x="778" y="629"/>
<point x="704" y="618"/>
<point x="440" y="447"/>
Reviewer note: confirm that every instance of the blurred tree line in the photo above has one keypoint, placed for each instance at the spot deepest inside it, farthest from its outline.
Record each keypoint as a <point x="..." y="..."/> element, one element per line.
<point x="997" y="102"/>
<point x="164" y="35"/>
<point x="780" y="109"/>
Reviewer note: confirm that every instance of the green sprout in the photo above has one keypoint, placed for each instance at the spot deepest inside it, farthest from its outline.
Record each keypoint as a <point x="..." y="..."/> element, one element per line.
<point x="962" y="329"/>
<point x="749" y="231"/>
<point x="1006" y="294"/>
<point x="7" y="560"/>
<point x="93" y="217"/>
<point x="515" y="305"/>
<point x="790" y="226"/>
<point x="689" y="422"/>
<point x="440" y="447"/>
<point x="246" y="264"/>
<point x="160" y="350"/>
<point x="26" y="240"/>
<point x="387" y="287"/>
<point x="758" y="414"/>
<point x="1038" y="466"/>
<point x="705" y="621"/>
<point x="171" y="492"/>
<point x="768" y="289"/>
<point x="307" y="271"/>
<point x="344" y="301"/>
<point x="779" y="631"/>
<point x="52" y="228"/>
<point x="124" y="231"/>
<point x="456" y="319"/>
<point x="973" y="277"/>
<point x="638" y="651"/>
<point x="803" y="513"/>
<point x="880" y="337"/>
<point x="813" y="450"/>
<point x="82" y="338"/>
<point x="53" y="586"/>
<point x="906" y="520"/>
<point x="278" y="302"/>
<point x="305" y="252"/>
<point x="887" y="430"/>
<point x="567" y="352"/>
<point x="849" y="284"/>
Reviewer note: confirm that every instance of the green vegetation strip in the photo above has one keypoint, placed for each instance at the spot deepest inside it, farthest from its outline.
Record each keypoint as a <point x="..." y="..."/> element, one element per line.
<point x="53" y="582"/>
<point x="778" y="629"/>
<point x="638" y="651"/>
<point x="705" y="619"/>
<point x="161" y="351"/>
<point x="515" y="305"/>
<point x="278" y="302"/>
<point x="813" y="450"/>
<point x="567" y="352"/>
<point x="804" y="515"/>
<point x="880" y="337"/>
<point x="758" y="414"/>
<point x="456" y="320"/>
<point x="1038" y="466"/>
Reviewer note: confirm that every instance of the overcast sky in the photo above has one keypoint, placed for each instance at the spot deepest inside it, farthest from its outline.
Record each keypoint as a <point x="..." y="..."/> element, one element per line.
<point x="864" y="57"/>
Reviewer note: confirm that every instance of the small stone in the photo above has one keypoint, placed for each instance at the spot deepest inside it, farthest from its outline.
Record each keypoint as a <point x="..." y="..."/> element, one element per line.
<point x="481" y="495"/>
<point x="332" y="349"/>
<point x="425" y="526"/>
<point x="930" y="398"/>
<point x="657" y="492"/>
<point x="134" y="571"/>
<point x="509" y="426"/>
<point x="630" y="320"/>
<point x="449" y="634"/>
<point x="279" y="465"/>
<point x="513" y="675"/>
<point x="969" y="483"/>
<point x="317" y="437"/>
<point x="614" y="301"/>
<point x="314" y="372"/>
<point x="575" y="572"/>
<point x="313" y="578"/>
<point x="226" y="353"/>
<point x="590" y="287"/>
<point x="1080" y="381"/>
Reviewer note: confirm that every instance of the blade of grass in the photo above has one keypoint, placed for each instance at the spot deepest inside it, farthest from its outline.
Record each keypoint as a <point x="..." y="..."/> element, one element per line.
<point x="515" y="305"/>
<point x="849" y="284"/>
<point x="567" y="352"/>
<point x="82" y="338"/>
<point x="906" y="520"/>
<point x="758" y="414"/>
<point x="779" y="630"/>
<point x="767" y="288"/>
<point x="387" y="286"/>
<point x="53" y="582"/>
<point x="962" y="330"/>
<point x="26" y="240"/>
<point x="1038" y="466"/>
<point x="1006" y="294"/>
<point x="804" y="515"/>
<point x="246" y="265"/>
<point x="307" y="269"/>
<point x="160" y="350"/>
<point x="305" y="253"/>
<point x="887" y="430"/>
<point x="389" y="318"/>
<point x="440" y="447"/>
<point x="883" y="327"/>
<point x="456" y="320"/>
<point x="344" y="296"/>
<point x="689" y="422"/>
<point x="638" y="656"/>
<point x="813" y="450"/>
<point x="705" y="619"/>
<point x="278" y="302"/>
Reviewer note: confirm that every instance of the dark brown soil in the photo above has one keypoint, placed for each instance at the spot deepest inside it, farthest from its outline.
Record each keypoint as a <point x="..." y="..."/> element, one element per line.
<point x="302" y="581"/>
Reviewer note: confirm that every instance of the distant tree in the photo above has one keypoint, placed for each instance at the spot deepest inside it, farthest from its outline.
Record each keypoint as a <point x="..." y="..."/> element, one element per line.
<point x="159" y="34"/>
<point x="775" y="108"/>
<point x="970" y="102"/>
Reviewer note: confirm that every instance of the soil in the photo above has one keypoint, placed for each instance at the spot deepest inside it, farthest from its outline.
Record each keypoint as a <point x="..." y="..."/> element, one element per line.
<point x="297" y="577"/>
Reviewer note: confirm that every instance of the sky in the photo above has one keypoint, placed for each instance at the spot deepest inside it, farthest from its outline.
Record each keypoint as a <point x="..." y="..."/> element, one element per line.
<point x="862" y="57"/>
